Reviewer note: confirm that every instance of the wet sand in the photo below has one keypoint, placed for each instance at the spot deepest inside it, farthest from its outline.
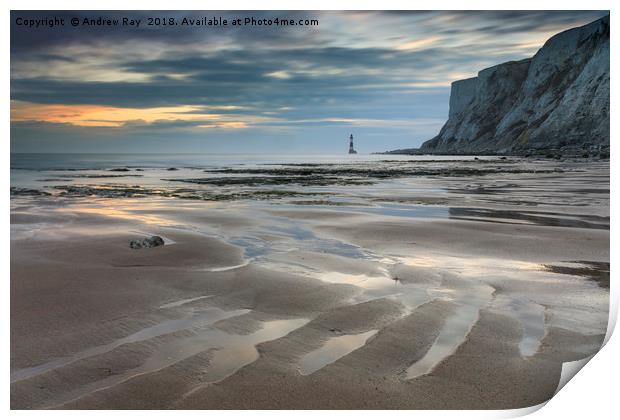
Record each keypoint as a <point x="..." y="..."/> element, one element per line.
<point x="438" y="293"/>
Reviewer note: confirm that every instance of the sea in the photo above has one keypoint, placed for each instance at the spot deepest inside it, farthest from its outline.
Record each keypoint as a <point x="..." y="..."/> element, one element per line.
<point x="49" y="172"/>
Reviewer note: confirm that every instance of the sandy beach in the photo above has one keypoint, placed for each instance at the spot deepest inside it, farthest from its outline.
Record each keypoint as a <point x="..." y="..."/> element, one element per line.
<point x="434" y="286"/>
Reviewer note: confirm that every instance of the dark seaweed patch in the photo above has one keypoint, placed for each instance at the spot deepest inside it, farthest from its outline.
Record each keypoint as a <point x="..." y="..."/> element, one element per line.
<point x="593" y="270"/>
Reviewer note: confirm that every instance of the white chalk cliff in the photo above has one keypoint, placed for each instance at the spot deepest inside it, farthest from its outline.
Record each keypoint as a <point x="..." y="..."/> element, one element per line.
<point x="557" y="100"/>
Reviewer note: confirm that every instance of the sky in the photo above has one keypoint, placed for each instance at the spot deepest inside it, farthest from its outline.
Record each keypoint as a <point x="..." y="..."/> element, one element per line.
<point x="382" y="76"/>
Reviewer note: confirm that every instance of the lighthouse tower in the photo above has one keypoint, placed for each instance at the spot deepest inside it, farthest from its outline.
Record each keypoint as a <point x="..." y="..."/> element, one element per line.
<point x="351" y="149"/>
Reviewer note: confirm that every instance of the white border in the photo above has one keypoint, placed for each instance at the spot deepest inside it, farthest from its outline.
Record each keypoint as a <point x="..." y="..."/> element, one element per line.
<point x="591" y="395"/>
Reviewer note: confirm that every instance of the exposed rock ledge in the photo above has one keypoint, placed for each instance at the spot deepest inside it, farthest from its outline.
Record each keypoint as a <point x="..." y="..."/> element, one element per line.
<point x="555" y="102"/>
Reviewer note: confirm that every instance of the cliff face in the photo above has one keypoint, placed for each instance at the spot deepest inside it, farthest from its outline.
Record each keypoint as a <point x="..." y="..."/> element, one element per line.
<point x="557" y="100"/>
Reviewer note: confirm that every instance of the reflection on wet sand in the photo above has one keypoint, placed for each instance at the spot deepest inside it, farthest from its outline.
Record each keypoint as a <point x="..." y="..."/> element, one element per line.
<point x="454" y="331"/>
<point x="530" y="217"/>
<point x="121" y="209"/>
<point x="197" y="320"/>
<point x="183" y="302"/>
<point x="332" y="350"/>
<point x="227" y="353"/>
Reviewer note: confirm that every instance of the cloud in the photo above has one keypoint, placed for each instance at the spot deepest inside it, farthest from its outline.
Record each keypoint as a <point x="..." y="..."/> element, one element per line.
<point x="227" y="125"/>
<point x="279" y="74"/>
<point x="371" y="70"/>
<point x="418" y="43"/>
<point x="107" y="116"/>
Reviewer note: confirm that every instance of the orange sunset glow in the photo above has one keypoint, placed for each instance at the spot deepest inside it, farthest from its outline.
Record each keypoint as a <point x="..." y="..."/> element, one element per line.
<point x="107" y="116"/>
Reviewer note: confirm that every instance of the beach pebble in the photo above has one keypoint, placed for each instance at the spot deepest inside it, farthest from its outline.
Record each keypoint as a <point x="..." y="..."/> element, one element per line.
<point x="151" y="242"/>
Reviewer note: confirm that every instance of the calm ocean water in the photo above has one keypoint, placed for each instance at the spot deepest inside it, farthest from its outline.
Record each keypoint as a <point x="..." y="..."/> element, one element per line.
<point x="49" y="171"/>
<point x="100" y="161"/>
<point x="219" y="176"/>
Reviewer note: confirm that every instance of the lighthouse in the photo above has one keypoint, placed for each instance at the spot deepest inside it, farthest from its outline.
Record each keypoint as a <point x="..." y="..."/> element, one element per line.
<point x="351" y="149"/>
